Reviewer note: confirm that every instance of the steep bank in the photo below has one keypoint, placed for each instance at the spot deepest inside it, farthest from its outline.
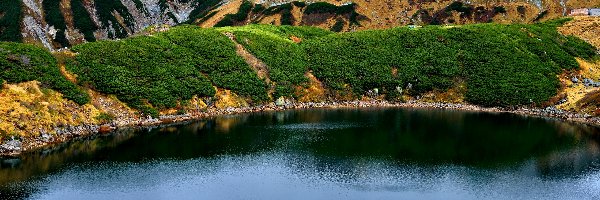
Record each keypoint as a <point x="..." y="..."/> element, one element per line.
<point x="187" y="72"/>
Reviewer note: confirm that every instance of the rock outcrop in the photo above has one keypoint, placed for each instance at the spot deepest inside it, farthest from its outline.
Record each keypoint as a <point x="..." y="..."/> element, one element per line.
<point x="55" y="24"/>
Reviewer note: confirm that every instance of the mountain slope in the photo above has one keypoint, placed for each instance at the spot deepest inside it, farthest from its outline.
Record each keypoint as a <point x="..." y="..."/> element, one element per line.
<point x="54" y="24"/>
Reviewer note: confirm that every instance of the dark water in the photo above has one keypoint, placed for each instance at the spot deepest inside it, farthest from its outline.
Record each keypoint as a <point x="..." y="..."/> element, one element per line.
<point x="322" y="154"/>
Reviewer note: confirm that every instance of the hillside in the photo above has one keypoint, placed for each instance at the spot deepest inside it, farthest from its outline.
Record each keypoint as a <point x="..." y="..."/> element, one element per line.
<point x="54" y="24"/>
<point x="187" y="69"/>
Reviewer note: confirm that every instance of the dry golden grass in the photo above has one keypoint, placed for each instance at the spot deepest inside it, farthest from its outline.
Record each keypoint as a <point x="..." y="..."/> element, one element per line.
<point x="576" y="92"/>
<point x="456" y="94"/>
<point x="584" y="27"/>
<point x="229" y="8"/>
<point x="227" y="99"/>
<point x="28" y="110"/>
<point x="315" y="92"/>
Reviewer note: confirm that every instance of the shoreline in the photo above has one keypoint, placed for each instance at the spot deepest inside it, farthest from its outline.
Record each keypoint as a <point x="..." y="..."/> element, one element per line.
<point x="64" y="135"/>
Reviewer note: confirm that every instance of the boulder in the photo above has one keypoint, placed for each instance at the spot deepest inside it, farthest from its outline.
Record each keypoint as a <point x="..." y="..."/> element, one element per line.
<point x="105" y="128"/>
<point x="280" y="101"/>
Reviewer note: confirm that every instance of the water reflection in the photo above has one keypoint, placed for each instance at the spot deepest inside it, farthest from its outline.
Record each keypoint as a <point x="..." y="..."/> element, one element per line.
<point x="352" y="147"/>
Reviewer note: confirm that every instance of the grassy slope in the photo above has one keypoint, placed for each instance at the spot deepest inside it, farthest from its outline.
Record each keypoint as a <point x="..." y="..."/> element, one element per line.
<point x="23" y="62"/>
<point x="501" y="65"/>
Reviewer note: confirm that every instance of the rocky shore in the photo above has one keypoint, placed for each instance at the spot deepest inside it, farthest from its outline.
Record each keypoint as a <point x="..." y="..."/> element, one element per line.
<point x="15" y="146"/>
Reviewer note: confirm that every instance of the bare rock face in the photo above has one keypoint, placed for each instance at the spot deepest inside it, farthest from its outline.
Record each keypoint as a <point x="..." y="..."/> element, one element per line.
<point x="87" y="20"/>
<point x="35" y="30"/>
<point x="112" y="19"/>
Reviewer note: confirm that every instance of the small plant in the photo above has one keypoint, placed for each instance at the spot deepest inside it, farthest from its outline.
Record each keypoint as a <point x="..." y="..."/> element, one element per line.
<point x="104" y="118"/>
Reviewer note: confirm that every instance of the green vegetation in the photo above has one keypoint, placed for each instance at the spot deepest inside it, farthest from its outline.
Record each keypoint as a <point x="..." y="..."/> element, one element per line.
<point x="327" y="8"/>
<point x="324" y="7"/>
<point x="214" y="54"/>
<point x="162" y="4"/>
<point x="140" y="6"/>
<point x="285" y="59"/>
<point x="286" y="16"/>
<point x="55" y="18"/>
<point x="203" y="7"/>
<point x="10" y="20"/>
<point x="501" y="64"/>
<point x="300" y="4"/>
<point x="83" y="21"/>
<point x="105" y="10"/>
<point x="338" y="26"/>
<point x="104" y="118"/>
<point x="241" y="15"/>
<point x="499" y="9"/>
<point x="23" y="62"/>
<point x="156" y="72"/>
<point x="144" y="72"/>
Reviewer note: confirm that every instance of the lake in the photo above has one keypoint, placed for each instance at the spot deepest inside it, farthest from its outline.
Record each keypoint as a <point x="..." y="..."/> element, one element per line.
<point x="372" y="153"/>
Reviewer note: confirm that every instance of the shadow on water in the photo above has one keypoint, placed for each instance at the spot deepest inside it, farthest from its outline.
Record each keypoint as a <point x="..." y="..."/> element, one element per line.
<point x="337" y="139"/>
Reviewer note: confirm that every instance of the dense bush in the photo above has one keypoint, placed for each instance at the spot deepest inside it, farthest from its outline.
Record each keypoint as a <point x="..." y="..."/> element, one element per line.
<point x="300" y="4"/>
<point x="323" y="7"/>
<point x="55" y="18"/>
<point x="105" y="10"/>
<point x="286" y="60"/>
<point x="240" y="16"/>
<point x="502" y="64"/>
<point x="201" y="10"/>
<point x="304" y="32"/>
<point x="214" y="54"/>
<point x="23" y="62"/>
<point x="83" y="21"/>
<point x="10" y="26"/>
<point x="338" y="26"/>
<point x="141" y="71"/>
<point x="156" y="72"/>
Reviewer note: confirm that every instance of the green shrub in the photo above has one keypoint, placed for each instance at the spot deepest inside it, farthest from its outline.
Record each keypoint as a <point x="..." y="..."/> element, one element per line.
<point x="141" y="71"/>
<point x="83" y="21"/>
<point x="258" y="8"/>
<point x="203" y="7"/>
<point x="502" y="64"/>
<point x="499" y="9"/>
<point x="23" y="62"/>
<point x="286" y="17"/>
<point x="105" y="10"/>
<point x="338" y="26"/>
<point x="10" y="23"/>
<point x="54" y="17"/>
<point x="240" y="16"/>
<point x="300" y="4"/>
<point x="104" y="118"/>
<point x="156" y="72"/>
<point x="323" y="7"/>
<point x="286" y="60"/>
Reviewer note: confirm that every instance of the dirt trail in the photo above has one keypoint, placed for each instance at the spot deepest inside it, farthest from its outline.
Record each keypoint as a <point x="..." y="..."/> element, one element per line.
<point x="258" y="65"/>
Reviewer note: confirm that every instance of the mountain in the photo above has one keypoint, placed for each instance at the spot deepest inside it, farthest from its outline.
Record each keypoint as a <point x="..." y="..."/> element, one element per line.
<point x="56" y="24"/>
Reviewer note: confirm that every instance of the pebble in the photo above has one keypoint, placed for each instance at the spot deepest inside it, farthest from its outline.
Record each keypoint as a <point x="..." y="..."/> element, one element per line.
<point x="14" y="147"/>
